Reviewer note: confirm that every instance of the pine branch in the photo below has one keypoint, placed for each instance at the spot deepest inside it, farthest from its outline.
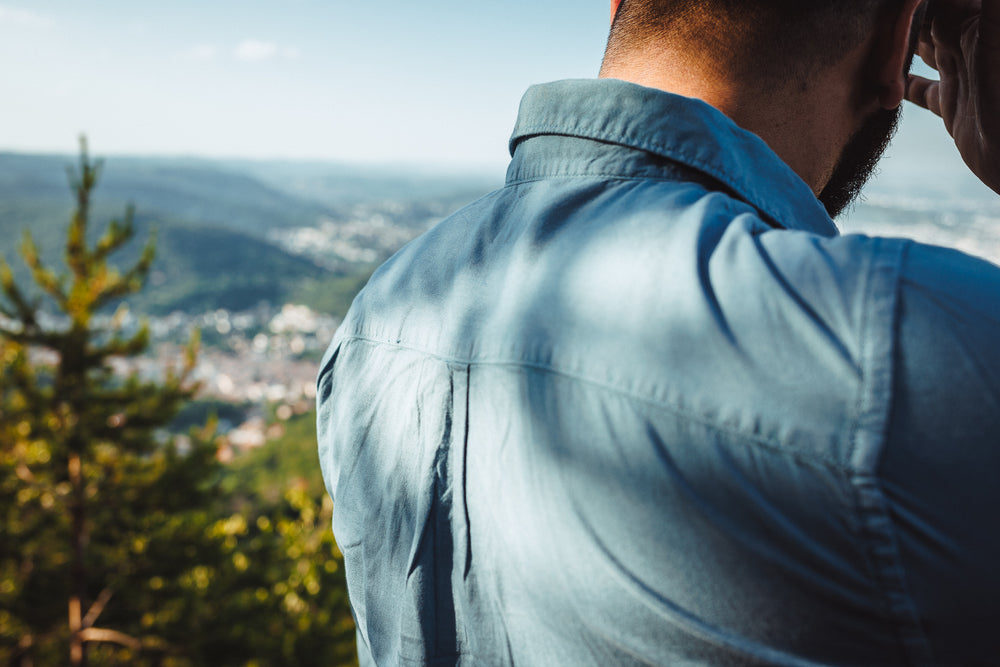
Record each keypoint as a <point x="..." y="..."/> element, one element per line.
<point x="117" y="234"/>
<point x="135" y="277"/>
<point x="76" y="248"/>
<point x="24" y="474"/>
<point x="44" y="277"/>
<point x="191" y="351"/>
<point x="33" y="336"/>
<point x="116" y="286"/>
<point x="97" y="607"/>
<point x="126" y="347"/>
<point x="109" y="636"/>
<point x="34" y="397"/>
<point x="82" y="182"/>
<point x="23" y="313"/>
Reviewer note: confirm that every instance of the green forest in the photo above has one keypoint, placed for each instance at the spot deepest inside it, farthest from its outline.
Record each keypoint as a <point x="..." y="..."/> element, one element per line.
<point x="122" y="541"/>
<point x="215" y="223"/>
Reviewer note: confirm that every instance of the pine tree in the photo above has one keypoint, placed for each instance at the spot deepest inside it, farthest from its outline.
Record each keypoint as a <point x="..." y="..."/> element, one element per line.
<point x="83" y="470"/>
<point x="116" y="547"/>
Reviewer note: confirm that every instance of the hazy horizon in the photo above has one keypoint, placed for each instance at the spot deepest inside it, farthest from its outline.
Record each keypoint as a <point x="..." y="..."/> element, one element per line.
<point x="424" y="87"/>
<point x="434" y="83"/>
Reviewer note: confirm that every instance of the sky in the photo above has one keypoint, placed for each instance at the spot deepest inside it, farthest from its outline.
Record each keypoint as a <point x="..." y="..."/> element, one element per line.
<point x="399" y="81"/>
<point x="393" y="81"/>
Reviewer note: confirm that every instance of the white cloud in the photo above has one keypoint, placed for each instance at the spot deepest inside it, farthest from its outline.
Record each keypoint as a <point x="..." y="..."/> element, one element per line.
<point x="201" y="53"/>
<point x="15" y="16"/>
<point x="255" y="50"/>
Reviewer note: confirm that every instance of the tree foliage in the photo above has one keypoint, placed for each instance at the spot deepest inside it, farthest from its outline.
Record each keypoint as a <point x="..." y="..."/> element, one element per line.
<point x="118" y="542"/>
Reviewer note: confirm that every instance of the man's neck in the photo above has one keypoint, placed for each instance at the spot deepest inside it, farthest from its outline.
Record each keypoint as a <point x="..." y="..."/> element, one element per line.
<point x="806" y="123"/>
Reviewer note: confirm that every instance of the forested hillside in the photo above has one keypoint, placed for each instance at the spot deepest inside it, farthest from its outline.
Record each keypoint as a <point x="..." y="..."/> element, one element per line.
<point x="165" y="492"/>
<point x="226" y="230"/>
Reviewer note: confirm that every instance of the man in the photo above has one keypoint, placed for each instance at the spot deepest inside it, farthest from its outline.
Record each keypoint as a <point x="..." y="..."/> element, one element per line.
<point x="643" y="405"/>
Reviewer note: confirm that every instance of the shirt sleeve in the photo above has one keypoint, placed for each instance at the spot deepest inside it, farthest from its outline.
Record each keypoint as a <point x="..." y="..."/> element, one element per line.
<point x="941" y="463"/>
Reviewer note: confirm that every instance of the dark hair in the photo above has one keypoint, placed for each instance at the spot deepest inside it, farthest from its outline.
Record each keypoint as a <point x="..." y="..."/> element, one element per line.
<point x="758" y="38"/>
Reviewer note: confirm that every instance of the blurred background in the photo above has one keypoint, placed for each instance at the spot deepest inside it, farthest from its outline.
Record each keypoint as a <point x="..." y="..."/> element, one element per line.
<point x="426" y="88"/>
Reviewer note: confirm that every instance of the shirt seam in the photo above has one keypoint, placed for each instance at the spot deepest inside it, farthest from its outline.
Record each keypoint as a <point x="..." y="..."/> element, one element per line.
<point x="675" y="153"/>
<point x="742" y="188"/>
<point x="731" y="196"/>
<point x="798" y="456"/>
<point x="611" y="175"/>
<point x="878" y="536"/>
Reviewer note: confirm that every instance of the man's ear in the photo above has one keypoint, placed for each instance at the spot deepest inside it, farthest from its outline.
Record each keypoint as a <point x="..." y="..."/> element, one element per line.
<point x="614" y="8"/>
<point x="893" y="53"/>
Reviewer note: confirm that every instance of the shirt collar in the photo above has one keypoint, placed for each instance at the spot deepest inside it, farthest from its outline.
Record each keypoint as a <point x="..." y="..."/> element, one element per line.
<point x="681" y="129"/>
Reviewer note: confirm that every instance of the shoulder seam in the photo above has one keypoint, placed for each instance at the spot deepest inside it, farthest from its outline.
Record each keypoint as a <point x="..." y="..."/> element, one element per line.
<point x="811" y="460"/>
<point x="869" y="437"/>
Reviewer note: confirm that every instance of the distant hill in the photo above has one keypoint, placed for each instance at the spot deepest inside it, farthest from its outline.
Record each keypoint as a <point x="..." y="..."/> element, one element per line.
<point x="201" y="267"/>
<point x="204" y="259"/>
<point x="253" y="197"/>
<point x="194" y="190"/>
<point x="198" y="267"/>
<point x="222" y="227"/>
<point x="341" y="185"/>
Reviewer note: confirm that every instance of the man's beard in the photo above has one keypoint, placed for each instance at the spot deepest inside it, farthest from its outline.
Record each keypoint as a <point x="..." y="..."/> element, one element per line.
<point x="858" y="160"/>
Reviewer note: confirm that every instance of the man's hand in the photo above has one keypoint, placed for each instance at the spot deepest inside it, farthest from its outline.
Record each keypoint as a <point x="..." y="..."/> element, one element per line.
<point x="961" y="40"/>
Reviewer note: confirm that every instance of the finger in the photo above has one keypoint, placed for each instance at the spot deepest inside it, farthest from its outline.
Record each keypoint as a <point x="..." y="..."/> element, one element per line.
<point x="937" y="8"/>
<point x="924" y="93"/>
<point x="926" y="52"/>
<point x="987" y="71"/>
<point x="925" y="42"/>
<point x="989" y="22"/>
<point x="949" y="57"/>
<point x="946" y="31"/>
<point x="989" y="42"/>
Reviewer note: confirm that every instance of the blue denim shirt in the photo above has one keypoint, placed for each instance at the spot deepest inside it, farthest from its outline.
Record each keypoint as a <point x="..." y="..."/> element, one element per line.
<point x="644" y="405"/>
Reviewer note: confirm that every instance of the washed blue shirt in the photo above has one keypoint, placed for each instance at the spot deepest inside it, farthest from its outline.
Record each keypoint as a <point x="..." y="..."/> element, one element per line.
<point x="644" y="405"/>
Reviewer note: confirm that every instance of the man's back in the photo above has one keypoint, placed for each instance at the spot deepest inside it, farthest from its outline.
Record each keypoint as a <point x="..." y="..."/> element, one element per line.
<point x="642" y="405"/>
